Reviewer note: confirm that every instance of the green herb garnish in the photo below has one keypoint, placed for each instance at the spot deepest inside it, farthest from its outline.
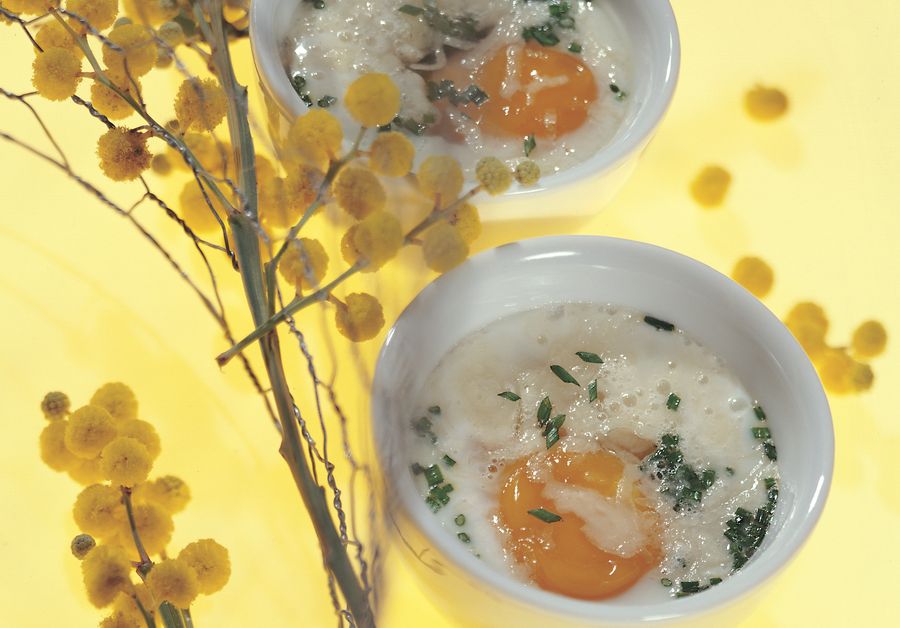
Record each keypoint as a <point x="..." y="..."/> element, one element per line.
<point x="462" y="536"/>
<point x="592" y="391"/>
<point x="447" y="89"/>
<point x="317" y="4"/>
<point x="545" y="515"/>
<point x="555" y="423"/>
<point x="659" y="323"/>
<point x="563" y="374"/>
<point x="464" y="27"/>
<point x="759" y="412"/>
<point x="770" y="451"/>
<point x="434" y="410"/>
<point x="448" y="460"/>
<point x="575" y="47"/>
<point x="412" y="125"/>
<point x="746" y="530"/>
<point x="509" y="395"/>
<point x="460" y="520"/>
<point x="543" y="413"/>
<point x="422" y="427"/>
<point x="729" y="470"/>
<point x="673" y="401"/>
<point x="587" y="356"/>
<point x="665" y="582"/>
<point x="529" y="144"/>
<point x="416" y="468"/>
<point x="552" y="437"/>
<point x="762" y="433"/>
<point x="433" y="475"/>
<point x="326" y="101"/>
<point x="615" y="89"/>
<point x="542" y="34"/>
<point x="438" y="496"/>
<point x="298" y="82"/>
<point x="678" y="479"/>
<point x="770" y="483"/>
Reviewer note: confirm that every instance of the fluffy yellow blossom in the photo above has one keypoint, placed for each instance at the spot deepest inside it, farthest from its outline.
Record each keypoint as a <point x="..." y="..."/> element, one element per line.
<point x="377" y="239"/>
<point x="358" y="191"/>
<point x="444" y="247"/>
<point x="168" y="492"/>
<point x="348" y="247"/>
<point x="467" y="221"/>
<point x="360" y="317"/>
<point x="304" y="264"/>
<point x="765" y="103"/>
<point x="117" y="399"/>
<point x="54" y="35"/>
<point x="81" y="545"/>
<point x="710" y="186"/>
<point x="440" y="177"/>
<point x="53" y="447"/>
<point x="391" y="154"/>
<point x="527" y="172"/>
<point x="493" y="175"/>
<point x="154" y="526"/>
<point x="55" y="405"/>
<point x="212" y="154"/>
<point x="173" y="581"/>
<point x="316" y="137"/>
<point x="137" y="46"/>
<point x="196" y="212"/>
<point x="372" y="99"/>
<point x="861" y="376"/>
<point x="210" y="562"/>
<point x="29" y="7"/>
<point x="869" y="339"/>
<point x="153" y="12"/>
<point x="57" y="73"/>
<point x="837" y="370"/>
<point x="171" y="33"/>
<point x="754" y="274"/>
<point x="808" y="312"/>
<point x="106" y="571"/>
<point x="123" y="154"/>
<point x="121" y="620"/>
<point x="264" y="168"/>
<point x="161" y="164"/>
<point x="125" y="461"/>
<point x="86" y="472"/>
<point x="143" y="432"/>
<point x="98" y="510"/>
<point x="272" y="205"/>
<point x="201" y="104"/>
<point x="108" y="102"/>
<point x="99" y="13"/>
<point x="89" y="429"/>
<point x="124" y="603"/>
<point x="301" y="186"/>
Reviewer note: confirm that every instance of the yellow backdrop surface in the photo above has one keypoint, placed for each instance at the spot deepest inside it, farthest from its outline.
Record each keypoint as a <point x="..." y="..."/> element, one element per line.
<point x="84" y="299"/>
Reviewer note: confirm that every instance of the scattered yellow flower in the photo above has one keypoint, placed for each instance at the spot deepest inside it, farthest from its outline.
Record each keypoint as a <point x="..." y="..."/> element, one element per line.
<point x="123" y="154"/>
<point x="527" y="172"/>
<point x="98" y="13"/>
<point x="316" y="136"/>
<point x="89" y="429"/>
<point x="173" y="581"/>
<point x="121" y="620"/>
<point x="98" y="510"/>
<point x="304" y="264"/>
<point x="444" y="247"/>
<point x="168" y="492"/>
<point x="124" y="604"/>
<point x="201" y="104"/>
<point x="765" y="103"/>
<point x="86" y="472"/>
<point x="358" y="191"/>
<point x="754" y="274"/>
<point x="154" y="526"/>
<point x="106" y="571"/>
<point x="30" y="7"/>
<point x="348" y="247"/>
<point x="54" y="35"/>
<point x="493" y="175"/>
<point x="151" y="12"/>
<point x="117" y="399"/>
<point x="144" y="433"/>
<point x="55" y="405"/>
<point x="377" y="239"/>
<point x="210" y="562"/>
<point x="53" y="447"/>
<point x="869" y="339"/>
<point x="710" y="186"/>
<point x="196" y="211"/>
<point x="161" y="164"/>
<point x="300" y="188"/>
<point x="125" y="461"/>
<point x="57" y="73"/>
<point x="837" y="370"/>
<point x="467" y="221"/>
<point x="138" y="49"/>
<point x="372" y="99"/>
<point x="391" y="154"/>
<point x="360" y="317"/>
<point x="81" y="545"/>
<point x="440" y="177"/>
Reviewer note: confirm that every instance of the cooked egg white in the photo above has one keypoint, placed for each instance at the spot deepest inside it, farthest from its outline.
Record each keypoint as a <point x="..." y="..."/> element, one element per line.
<point x="617" y="528"/>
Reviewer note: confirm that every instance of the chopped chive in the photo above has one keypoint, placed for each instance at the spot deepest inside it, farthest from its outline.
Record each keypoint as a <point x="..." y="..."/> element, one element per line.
<point x="509" y="395"/>
<point x="422" y="427"/>
<point x="762" y="433"/>
<point x="448" y="460"/>
<point x="410" y="9"/>
<point x="417" y="469"/>
<point x="714" y="581"/>
<point x="555" y="423"/>
<point x="326" y="101"/>
<point x="729" y="470"/>
<point x="770" y="483"/>
<point x="708" y="477"/>
<point x="552" y="437"/>
<point x="460" y="520"/>
<point x="298" y="82"/>
<point x="542" y="34"/>
<point x="673" y="401"/>
<point x="659" y="323"/>
<point x="592" y="391"/>
<point x="666" y="582"/>
<point x="545" y="515"/>
<point x="464" y="537"/>
<point x="759" y="412"/>
<point x="575" y="47"/>
<point x="690" y="586"/>
<point x="563" y="374"/>
<point x="306" y="99"/>
<point x="771" y="452"/>
<point x="435" y="409"/>
<point x="587" y="356"/>
<point x="529" y="144"/>
<point x="433" y="475"/>
<point x="543" y="413"/>
<point x="614" y="88"/>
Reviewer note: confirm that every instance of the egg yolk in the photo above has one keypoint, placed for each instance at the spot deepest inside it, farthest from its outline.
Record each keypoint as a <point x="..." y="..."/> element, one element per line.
<point x="560" y="556"/>
<point x="533" y="90"/>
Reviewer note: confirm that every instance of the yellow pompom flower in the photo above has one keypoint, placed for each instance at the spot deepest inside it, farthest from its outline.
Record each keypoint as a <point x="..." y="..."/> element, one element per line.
<point x="57" y="73"/>
<point x="467" y="222"/>
<point x="348" y="247"/>
<point x="81" y="545"/>
<point x="360" y="317"/>
<point x="527" y="172"/>
<point x="123" y="154"/>
<point x="144" y="433"/>
<point x="213" y="155"/>
<point x="316" y="137"/>
<point x="173" y="581"/>
<point x="808" y="312"/>
<point x="304" y="263"/>
<point x="358" y="192"/>
<point x="53" y="447"/>
<point x="377" y="239"/>
<point x="161" y="164"/>
<point x="168" y="492"/>
<point x="151" y="12"/>
<point x="121" y="620"/>
<point x="55" y="405"/>
<point x="861" y="377"/>
<point x="154" y="526"/>
<point x="210" y="562"/>
<point x="301" y="187"/>
<point x="98" y="510"/>
<point x="493" y="175"/>
<point x="125" y="461"/>
<point x="54" y="35"/>
<point x="710" y="186"/>
<point x="99" y="13"/>
<point x="754" y="274"/>
<point x="29" y="7"/>
<point x="837" y="370"/>
<point x="172" y="33"/>
<point x="138" y="49"/>
<point x="108" y="102"/>
<point x="272" y="204"/>
<point x="117" y="399"/>
<point x="196" y="212"/>
<point x="124" y="604"/>
<point x="200" y="104"/>
<point x="372" y="99"/>
<point x="86" y="472"/>
<point x="869" y="339"/>
<point x="444" y="247"/>
<point x="765" y="103"/>
<point x="440" y="177"/>
<point x="89" y="430"/>
<point x="106" y="571"/>
<point x="391" y="154"/>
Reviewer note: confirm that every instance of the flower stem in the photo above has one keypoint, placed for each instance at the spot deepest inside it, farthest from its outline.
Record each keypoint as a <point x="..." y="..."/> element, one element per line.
<point x="145" y="564"/>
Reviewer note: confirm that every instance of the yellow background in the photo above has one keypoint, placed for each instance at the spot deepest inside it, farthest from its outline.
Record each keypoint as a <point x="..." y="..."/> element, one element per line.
<point x="83" y="300"/>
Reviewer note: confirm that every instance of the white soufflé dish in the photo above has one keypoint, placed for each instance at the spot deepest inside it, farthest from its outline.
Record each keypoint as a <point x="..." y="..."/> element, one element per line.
<point x="722" y="332"/>
<point x="592" y="165"/>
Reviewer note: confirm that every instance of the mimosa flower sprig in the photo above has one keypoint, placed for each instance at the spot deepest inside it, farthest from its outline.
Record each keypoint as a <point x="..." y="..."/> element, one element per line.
<point x="238" y="204"/>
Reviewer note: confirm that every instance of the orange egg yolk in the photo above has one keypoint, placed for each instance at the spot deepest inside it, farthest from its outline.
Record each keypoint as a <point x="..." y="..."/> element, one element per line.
<point x="533" y="90"/>
<point x="560" y="556"/>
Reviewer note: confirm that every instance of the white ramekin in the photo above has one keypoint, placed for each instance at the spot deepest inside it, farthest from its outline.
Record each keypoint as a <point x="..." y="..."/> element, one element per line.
<point x="588" y="186"/>
<point x="707" y="305"/>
